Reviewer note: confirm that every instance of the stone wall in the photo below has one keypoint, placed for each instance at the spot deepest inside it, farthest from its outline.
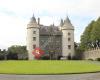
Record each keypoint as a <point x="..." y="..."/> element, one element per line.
<point x="91" y="54"/>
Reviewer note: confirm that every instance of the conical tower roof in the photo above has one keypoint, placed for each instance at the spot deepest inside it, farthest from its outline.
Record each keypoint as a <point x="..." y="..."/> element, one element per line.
<point x="32" y="22"/>
<point x="61" y="22"/>
<point x="67" y="24"/>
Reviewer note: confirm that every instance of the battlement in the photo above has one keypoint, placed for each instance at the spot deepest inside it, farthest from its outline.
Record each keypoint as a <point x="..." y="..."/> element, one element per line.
<point x="93" y="53"/>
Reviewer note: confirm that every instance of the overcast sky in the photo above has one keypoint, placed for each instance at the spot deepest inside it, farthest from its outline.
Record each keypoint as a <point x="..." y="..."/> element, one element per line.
<point x="15" y="15"/>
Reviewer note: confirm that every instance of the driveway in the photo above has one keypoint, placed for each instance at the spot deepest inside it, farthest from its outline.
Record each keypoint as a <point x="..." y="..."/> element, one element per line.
<point x="91" y="76"/>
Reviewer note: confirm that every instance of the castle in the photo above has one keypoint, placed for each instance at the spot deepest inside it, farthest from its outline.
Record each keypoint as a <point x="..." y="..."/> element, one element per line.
<point x="56" y="41"/>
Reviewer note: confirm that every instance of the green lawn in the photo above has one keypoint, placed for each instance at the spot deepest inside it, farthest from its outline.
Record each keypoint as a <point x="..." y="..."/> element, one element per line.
<point x="48" y="67"/>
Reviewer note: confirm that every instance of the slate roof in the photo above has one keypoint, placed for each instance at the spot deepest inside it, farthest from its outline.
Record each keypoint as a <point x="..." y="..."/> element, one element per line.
<point x="49" y="30"/>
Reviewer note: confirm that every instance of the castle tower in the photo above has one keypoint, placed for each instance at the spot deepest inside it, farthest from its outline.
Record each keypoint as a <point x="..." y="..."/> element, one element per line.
<point x="67" y="39"/>
<point x="32" y="37"/>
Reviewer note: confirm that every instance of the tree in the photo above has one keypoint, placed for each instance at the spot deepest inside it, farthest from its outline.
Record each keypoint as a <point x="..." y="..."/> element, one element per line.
<point x="3" y="54"/>
<point x="91" y="36"/>
<point x="95" y="34"/>
<point x="86" y="37"/>
<point x="17" y="52"/>
<point x="78" y="51"/>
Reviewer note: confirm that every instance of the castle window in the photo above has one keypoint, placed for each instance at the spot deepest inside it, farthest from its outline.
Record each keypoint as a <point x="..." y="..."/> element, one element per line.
<point x="69" y="33"/>
<point x="34" y="46"/>
<point x="34" y="32"/>
<point x="69" y="39"/>
<point x="69" y="46"/>
<point x="34" y="38"/>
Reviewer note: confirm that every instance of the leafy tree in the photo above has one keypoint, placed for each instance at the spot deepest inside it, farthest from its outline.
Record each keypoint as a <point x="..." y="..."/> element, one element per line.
<point x="95" y="34"/>
<point x="17" y="52"/>
<point x="3" y="54"/>
<point x="91" y="36"/>
<point x="78" y="51"/>
<point x="86" y="37"/>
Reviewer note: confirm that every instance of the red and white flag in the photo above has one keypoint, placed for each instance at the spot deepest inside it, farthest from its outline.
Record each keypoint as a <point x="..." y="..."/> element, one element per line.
<point x="37" y="52"/>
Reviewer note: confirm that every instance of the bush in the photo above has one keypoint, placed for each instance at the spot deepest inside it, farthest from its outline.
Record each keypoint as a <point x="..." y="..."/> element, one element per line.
<point x="45" y="58"/>
<point x="98" y="59"/>
<point x="90" y="59"/>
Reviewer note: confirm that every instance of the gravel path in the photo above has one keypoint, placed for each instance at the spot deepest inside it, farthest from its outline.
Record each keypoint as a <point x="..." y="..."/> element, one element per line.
<point x="91" y="76"/>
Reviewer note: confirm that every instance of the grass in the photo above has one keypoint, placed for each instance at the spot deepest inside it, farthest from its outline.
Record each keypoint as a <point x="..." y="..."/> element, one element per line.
<point x="48" y="67"/>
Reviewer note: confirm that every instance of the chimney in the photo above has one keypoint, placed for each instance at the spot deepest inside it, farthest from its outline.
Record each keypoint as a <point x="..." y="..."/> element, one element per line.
<point x="38" y="21"/>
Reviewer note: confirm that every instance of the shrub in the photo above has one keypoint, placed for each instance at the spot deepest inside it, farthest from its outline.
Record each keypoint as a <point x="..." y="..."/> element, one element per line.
<point x="98" y="59"/>
<point x="90" y="59"/>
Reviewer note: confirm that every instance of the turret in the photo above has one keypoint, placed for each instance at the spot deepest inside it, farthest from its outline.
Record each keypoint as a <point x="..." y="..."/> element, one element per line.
<point x="67" y="24"/>
<point x="38" y="21"/>
<point x="61" y="22"/>
<point x="32" y="37"/>
<point x="67" y="39"/>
